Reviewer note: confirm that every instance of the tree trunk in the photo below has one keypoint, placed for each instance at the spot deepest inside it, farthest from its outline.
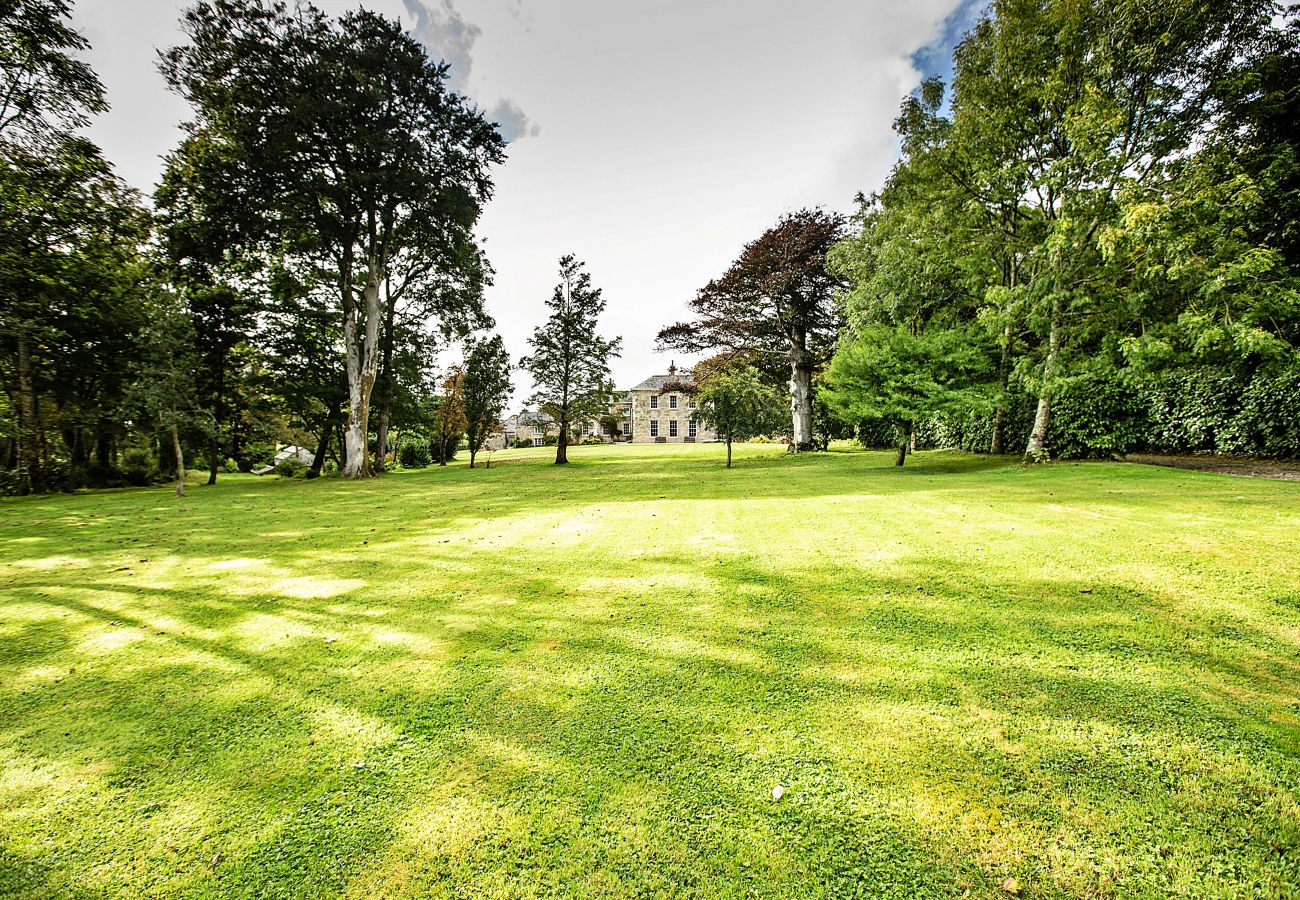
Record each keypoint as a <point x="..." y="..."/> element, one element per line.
<point x="728" y="449"/>
<point x="180" y="459"/>
<point x="998" y="444"/>
<point x="801" y="412"/>
<point x="74" y="459"/>
<point x="472" y="454"/>
<point x="385" y="386"/>
<point x="1036" y="449"/>
<point x="28" y="450"/>
<point x="562" y="444"/>
<point x="381" y="438"/>
<point x="214" y="458"/>
<point x="362" y="366"/>
<point x="322" y="445"/>
<point x="906" y="444"/>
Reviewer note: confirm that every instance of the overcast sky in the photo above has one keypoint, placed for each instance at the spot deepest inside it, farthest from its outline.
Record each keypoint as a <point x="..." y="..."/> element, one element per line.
<point x="652" y="139"/>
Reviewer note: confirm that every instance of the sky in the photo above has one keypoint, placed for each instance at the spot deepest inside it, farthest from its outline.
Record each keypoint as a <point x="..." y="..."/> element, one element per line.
<point x="651" y="139"/>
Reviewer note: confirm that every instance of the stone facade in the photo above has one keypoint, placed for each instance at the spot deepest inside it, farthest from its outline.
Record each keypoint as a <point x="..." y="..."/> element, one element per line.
<point x="662" y="407"/>
<point x="529" y="426"/>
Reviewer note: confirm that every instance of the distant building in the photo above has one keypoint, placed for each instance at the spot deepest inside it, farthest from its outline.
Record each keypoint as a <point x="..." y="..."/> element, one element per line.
<point x="661" y="410"/>
<point x="531" y="426"/>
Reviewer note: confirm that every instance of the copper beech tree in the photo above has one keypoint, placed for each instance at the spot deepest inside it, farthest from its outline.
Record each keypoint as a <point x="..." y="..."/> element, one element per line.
<point x="776" y="303"/>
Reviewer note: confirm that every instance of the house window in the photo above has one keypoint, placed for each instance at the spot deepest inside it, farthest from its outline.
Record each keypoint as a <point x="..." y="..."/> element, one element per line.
<point x="586" y="429"/>
<point x="654" y="401"/>
<point x="672" y="428"/>
<point x="690" y="428"/>
<point x="690" y="403"/>
<point x="672" y="401"/>
<point x="537" y="442"/>
<point x="654" y="428"/>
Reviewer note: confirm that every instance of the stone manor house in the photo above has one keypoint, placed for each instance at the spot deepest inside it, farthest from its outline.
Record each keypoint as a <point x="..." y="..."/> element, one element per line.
<point x="657" y="411"/>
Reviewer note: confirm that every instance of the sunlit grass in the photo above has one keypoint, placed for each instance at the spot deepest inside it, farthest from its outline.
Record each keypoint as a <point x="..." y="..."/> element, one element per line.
<point x="586" y="681"/>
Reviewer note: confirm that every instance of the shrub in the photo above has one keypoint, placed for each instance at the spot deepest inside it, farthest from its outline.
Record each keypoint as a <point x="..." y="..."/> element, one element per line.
<point x="330" y="467"/>
<point x="588" y="441"/>
<point x="12" y="481"/>
<point x="258" y="455"/>
<point x="230" y="465"/>
<point x="414" y="455"/>
<point x="289" y="468"/>
<point x="139" y="467"/>
<point x="520" y="443"/>
<point x="1095" y="416"/>
<point x="96" y="474"/>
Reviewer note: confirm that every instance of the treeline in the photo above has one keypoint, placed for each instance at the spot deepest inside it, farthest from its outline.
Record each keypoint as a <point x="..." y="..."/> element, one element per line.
<point x="1090" y="244"/>
<point x="309" y="252"/>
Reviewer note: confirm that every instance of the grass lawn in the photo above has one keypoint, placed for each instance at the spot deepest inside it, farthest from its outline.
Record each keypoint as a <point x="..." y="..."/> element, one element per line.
<point x="587" y="681"/>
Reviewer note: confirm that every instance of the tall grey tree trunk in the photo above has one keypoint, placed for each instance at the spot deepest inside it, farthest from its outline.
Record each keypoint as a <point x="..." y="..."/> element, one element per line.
<point x="29" y="456"/>
<point x="385" y="384"/>
<point x="1037" y="446"/>
<point x="180" y="458"/>
<point x="362" y="366"/>
<point x="801" y="414"/>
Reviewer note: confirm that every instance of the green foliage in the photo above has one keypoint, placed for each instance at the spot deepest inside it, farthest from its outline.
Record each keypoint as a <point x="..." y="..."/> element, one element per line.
<point x="896" y="377"/>
<point x="1096" y="416"/>
<point x="139" y="466"/>
<point x="485" y="389"/>
<point x="414" y="455"/>
<point x="46" y="90"/>
<point x="570" y="360"/>
<point x="231" y="465"/>
<point x="737" y="404"/>
<point x="289" y="468"/>
<point x="1205" y="409"/>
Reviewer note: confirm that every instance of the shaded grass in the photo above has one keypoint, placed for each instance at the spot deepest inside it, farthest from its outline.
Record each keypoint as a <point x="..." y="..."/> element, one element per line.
<point x="585" y="681"/>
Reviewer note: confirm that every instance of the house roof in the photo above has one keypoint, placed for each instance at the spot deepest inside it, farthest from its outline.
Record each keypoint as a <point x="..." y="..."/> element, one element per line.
<point x="533" y="417"/>
<point x="656" y="382"/>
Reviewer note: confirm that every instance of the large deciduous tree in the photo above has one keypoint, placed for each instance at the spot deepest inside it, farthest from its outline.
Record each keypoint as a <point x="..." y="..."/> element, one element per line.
<point x="777" y="300"/>
<point x="1069" y="108"/>
<point x="360" y="153"/>
<point x="570" y="360"/>
<point x="205" y="229"/>
<point x="485" y="388"/>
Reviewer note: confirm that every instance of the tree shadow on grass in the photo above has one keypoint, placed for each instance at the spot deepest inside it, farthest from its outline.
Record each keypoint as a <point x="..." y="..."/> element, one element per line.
<point x="626" y="740"/>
